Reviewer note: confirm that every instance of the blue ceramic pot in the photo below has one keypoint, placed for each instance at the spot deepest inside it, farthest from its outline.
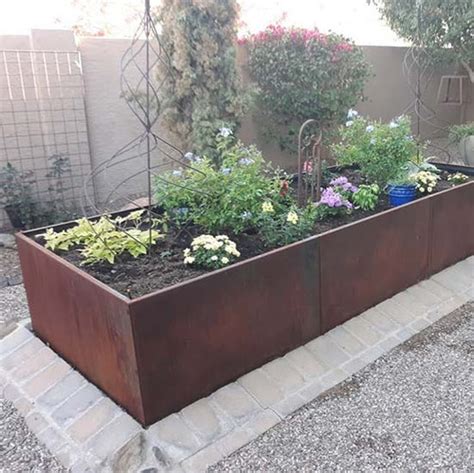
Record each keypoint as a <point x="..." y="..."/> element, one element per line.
<point x="402" y="194"/>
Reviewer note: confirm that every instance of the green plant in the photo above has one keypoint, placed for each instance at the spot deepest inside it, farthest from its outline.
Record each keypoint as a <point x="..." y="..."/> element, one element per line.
<point x="220" y="199"/>
<point x="201" y="88"/>
<point x="381" y="150"/>
<point x="16" y="195"/>
<point x="458" y="132"/>
<point x="104" y="239"/>
<point x="285" y="225"/>
<point x="443" y="27"/>
<point x="457" y="178"/>
<point x="366" y="197"/>
<point x="211" y="252"/>
<point x="302" y="73"/>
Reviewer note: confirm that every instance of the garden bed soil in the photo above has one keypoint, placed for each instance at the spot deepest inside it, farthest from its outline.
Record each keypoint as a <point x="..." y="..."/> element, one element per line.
<point x="163" y="267"/>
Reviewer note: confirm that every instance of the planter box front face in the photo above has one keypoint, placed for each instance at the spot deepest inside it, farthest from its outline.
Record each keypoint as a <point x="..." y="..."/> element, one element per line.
<point x="198" y="336"/>
<point x="452" y="227"/>
<point x="369" y="261"/>
<point x="84" y="321"/>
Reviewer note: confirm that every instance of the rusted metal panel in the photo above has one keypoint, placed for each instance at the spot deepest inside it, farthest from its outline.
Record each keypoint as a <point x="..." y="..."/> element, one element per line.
<point x="369" y="261"/>
<point x="84" y="321"/>
<point x="197" y="336"/>
<point x="452" y="227"/>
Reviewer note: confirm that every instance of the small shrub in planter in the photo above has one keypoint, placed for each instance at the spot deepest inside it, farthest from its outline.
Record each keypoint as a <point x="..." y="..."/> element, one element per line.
<point x="381" y="150"/>
<point x="366" y="196"/>
<point x="224" y="198"/>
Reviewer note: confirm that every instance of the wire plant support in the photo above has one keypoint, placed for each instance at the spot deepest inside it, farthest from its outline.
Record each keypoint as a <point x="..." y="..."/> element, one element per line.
<point x="309" y="163"/>
<point x="148" y="154"/>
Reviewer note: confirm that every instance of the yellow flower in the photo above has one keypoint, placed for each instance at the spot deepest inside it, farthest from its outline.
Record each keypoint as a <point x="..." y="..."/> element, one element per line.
<point x="267" y="207"/>
<point x="292" y="217"/>
<point x="189" y="260"/>
<point x="224" y="260"/>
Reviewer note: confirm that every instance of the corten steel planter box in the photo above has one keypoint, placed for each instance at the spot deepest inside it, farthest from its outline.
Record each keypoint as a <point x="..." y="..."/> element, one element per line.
<point x="158" y="353"/>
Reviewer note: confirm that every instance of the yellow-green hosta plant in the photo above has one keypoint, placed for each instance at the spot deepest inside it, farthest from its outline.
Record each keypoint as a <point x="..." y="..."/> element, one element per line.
<point x="211" y="252"/>
<point x="425" y="181"/>
<point x="104" y="239"/>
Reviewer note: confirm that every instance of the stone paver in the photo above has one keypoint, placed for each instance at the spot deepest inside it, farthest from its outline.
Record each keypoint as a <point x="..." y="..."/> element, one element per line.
<point x="236" y="402"/>
<point x="85" y="429"/>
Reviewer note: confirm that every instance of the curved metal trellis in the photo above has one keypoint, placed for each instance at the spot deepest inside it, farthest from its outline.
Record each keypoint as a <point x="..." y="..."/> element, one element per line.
<point x="419" y="73"/>
<point x="148" y="153"/>
<point x="309" y="164"/>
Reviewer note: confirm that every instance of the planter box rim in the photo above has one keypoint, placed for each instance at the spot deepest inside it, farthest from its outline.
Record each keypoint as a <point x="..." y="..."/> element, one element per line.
<point x="27" y="235"/>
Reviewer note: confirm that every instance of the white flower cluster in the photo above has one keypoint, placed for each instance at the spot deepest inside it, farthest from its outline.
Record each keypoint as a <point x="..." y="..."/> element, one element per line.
<point x="211" y="251"/>
<point x="457" y="178"/>
<point x="425" y="181"/>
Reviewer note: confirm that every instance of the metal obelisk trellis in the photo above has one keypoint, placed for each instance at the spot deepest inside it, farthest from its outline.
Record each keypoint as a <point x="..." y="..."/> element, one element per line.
<point x="147" y="154"/>
<point x="418" y="71"/>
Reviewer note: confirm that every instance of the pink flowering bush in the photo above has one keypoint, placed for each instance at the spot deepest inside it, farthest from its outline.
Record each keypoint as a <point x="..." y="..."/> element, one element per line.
<point x="303" y="73"/>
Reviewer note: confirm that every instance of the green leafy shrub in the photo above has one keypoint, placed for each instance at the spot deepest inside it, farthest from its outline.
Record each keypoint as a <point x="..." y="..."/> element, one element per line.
<point x="103" y="240"/>
<point x="366" y="197"/>
<point x="201" y="89"/>
<point x="302" y="73"/>
<point x="381" y="150"/>
<point x="282" y="226"/>
<point x="211" y="252"/>
<point x="444" y="28"/>
<point x="16" y="195"/>
<point x="227" y="198"/>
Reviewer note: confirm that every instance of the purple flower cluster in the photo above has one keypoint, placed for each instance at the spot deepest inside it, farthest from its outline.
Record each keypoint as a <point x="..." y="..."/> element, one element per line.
<point x="342" y="184"/>
<point x="332" y="198"/>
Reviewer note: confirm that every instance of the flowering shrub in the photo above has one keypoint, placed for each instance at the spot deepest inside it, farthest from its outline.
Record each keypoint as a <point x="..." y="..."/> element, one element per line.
<point x="381" y="150"/>
<point x="220" y="198"/>
<point x="366" y="197"/>
<point x="425" y="181"/>
<point x="285" y="226"/>
<point x="457" y="178"/>
<point x="303" y="73"/>
<point x="332" y="203"/>
<point x="211" y="252"/>
<point x="342" y="185"/>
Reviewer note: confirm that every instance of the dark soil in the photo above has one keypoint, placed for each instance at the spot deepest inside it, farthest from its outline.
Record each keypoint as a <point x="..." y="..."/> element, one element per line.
<point x="164" y="266"/>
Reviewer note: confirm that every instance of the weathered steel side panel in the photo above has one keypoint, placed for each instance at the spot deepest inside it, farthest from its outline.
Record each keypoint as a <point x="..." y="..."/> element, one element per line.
<point x="452" y="228"/>
<point x="198" y="336"/>
<point x="85" y="322"/>
<point x="369" y="261"/>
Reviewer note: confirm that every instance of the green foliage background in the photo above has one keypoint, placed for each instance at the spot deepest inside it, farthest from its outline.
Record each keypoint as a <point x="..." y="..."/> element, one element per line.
<point x="202" y="91"/>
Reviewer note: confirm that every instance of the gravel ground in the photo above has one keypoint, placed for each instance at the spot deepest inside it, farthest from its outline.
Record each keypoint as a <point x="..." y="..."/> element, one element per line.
<point x="20" y="450"/>
<point x="9" y="263"/>
<point x="13" y="305"/>
<point x="409" y="410"/>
